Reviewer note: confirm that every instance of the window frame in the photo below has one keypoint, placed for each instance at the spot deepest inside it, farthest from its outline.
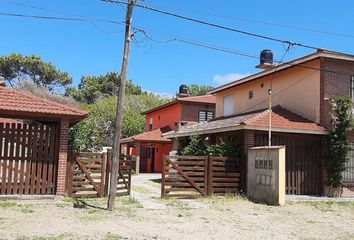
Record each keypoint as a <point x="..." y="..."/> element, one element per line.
<point x="205" y="115"/>
<point x="228" y="111"/>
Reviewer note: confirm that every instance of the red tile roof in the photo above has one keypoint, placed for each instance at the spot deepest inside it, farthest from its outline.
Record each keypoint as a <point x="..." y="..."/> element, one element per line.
<point x="282" y="120"/>
<point x="285" y="119"/>
<point x="198" y="99"/>
<point x="205" y="99"/>
<point x="152" y="136"/>
<point x="14" y="102"/>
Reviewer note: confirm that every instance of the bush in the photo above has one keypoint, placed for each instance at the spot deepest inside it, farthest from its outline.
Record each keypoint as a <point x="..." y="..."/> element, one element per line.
<point x="337" y="142"/>
<point x="194" y="146"/>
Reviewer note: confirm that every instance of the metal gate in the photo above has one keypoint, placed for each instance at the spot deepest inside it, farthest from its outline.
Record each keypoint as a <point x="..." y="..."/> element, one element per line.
<point x="304" y="166"/>
<point x="28" y="159"/>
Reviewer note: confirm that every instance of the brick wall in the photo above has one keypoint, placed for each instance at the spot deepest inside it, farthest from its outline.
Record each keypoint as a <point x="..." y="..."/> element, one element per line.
<point x="63" y="156"/>
<point x="333" y="84"/>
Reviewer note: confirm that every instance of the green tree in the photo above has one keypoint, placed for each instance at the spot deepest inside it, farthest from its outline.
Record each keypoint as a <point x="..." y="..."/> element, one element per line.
<point x="93" y="88"/>
<point x="337" y="143"/>
<point x="16" y="68"/>
<point x="97" y="130"/>
<point x="196" y="90"/>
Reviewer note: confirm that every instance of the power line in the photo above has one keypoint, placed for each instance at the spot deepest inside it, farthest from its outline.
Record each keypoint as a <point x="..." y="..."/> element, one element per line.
<point x="175" y="38"/>
<point x="280" y="25"/>
<point x="215" y="25"/>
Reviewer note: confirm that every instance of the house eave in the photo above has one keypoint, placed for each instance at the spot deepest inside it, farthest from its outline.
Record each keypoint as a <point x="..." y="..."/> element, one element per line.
<point x="244" y="127"/>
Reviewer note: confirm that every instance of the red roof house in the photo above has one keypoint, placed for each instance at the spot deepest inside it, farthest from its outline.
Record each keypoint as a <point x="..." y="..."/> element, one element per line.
<point x="150" y="146"/>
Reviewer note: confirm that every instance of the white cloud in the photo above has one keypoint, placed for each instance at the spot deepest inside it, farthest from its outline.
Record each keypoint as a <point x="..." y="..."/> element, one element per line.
<point x="229" y="77"/>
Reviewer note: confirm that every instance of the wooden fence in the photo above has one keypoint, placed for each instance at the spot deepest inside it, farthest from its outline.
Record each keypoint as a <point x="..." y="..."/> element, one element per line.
<point x="88" y="175"/>
<point x="28" y="159"/>
<point x="192" y="176"/>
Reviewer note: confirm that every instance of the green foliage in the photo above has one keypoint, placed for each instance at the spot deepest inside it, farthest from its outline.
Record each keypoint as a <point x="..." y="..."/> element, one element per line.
<point x="93" y="88"/>
<point x="223" y="149"/>
<point x="337" y="143"/>
<point x="195" y="146"/>
<point x="196" y="90"/>
<point x="16" y="68"/>
<point x="97" y="130"/>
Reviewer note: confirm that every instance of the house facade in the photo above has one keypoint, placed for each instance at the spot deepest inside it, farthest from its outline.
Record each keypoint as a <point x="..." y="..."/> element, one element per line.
<point x="149" y="147"/>
<point x="301" y="93"/>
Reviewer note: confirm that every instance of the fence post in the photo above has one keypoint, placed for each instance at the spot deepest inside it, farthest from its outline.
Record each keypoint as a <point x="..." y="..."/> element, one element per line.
<point x="108" y="170"/>
<point x="163" y="176"/>
<point x="69" y="172"/>
<point x="130" y="174"/>
<point x="210" y="175"/>
<point x="103" y="172"/>
<point x="206" y="176"/>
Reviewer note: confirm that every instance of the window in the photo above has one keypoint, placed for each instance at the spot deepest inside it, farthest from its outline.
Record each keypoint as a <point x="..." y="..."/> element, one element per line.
<point x="151" y="124"/>
<point x="250" y="94"/>
<point x="228" y="105"/>
<point x="205" y="116"/>
<point x="348" y="173"/>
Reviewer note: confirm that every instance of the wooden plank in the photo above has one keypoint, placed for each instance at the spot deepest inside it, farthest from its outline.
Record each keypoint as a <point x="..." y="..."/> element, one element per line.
<point x="17" y="158"/>
<point x="34" y="160"/>
<point x="163" y="179"/>
<point x="23" y="159"/>
<point x="185" y="176"/>
<point x="87" y="174"/>
<point x="45" y="160"/>
<point x="29" y="158"/>
<point x="11" y="159"/>
<point x="5" y="158"/>
<point x="39" y="160"/>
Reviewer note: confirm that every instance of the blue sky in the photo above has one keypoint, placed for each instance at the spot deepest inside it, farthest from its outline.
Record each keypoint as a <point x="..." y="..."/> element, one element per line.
<point x="85" y="49"/>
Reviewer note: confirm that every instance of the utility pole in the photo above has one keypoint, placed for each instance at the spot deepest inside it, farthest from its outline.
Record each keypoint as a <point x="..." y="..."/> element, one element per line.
<point x="270" y="92"/>
<point x="120" y="107"/>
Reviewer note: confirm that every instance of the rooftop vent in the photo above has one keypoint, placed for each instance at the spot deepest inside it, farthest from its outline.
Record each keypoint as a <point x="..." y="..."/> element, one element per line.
<point x="266" y="60"/>
<point x="183" y="91"/>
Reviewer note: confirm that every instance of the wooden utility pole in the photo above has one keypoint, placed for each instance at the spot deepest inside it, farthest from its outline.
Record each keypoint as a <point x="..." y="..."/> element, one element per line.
<point x="120" y="107"/>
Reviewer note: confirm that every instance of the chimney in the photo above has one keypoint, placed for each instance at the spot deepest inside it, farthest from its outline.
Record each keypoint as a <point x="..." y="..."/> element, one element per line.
<point x="183" y="91"/>
<point x="2" y="84"/>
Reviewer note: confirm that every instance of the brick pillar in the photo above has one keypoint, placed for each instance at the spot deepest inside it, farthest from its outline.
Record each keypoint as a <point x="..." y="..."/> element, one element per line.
<point x="248" y="142"/>
<point x="63" y="156"/>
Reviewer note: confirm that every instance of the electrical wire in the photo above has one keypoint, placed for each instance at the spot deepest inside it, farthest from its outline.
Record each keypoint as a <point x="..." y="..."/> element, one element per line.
<point x="215" y="25"/>
<point x="179" y="39"/>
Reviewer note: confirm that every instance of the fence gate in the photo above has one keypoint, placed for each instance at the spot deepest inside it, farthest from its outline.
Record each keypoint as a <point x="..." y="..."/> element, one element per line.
<point x="88" y="175"/>
<point x="28" y="159"/>
<point x="192" y="176"/>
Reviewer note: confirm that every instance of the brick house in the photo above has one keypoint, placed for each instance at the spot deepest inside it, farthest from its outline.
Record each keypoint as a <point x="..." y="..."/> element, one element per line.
<point x="302" y="90"/>
<point x="149" y="147"/>
<point x="34" y="143"/>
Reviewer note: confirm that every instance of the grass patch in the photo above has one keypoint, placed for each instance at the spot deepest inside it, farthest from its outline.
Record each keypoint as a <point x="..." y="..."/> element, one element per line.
<point x="140" y="190"/>
<point x="326" y="206"/>
<point x="8" y="205"/>
<point x="62" y="236"/>
<point x="227" y="198"/>
<point x="175" y="203"/>
<point x="112" y="236"/>
<point x="154" y="184"/>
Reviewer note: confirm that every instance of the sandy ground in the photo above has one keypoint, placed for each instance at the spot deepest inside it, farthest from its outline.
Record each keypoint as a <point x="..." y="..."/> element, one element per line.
<point x="228" y="218"/>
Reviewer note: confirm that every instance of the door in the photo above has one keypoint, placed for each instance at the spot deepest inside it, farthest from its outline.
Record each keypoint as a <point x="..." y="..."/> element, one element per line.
<point x="304" y="166"/>
<point x="28" y="159"/>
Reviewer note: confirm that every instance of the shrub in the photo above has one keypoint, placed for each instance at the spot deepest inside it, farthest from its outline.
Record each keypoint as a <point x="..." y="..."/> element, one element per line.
<point x="337" y="143"/>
